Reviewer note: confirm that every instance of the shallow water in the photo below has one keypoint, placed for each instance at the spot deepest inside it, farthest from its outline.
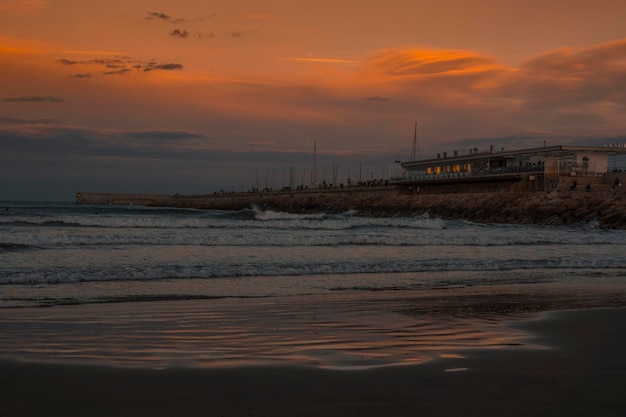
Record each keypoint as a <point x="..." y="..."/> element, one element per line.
<point x="338" y="332"/>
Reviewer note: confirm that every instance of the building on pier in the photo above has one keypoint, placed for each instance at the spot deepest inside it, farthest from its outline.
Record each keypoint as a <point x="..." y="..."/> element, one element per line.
<point x="534" y="169"/>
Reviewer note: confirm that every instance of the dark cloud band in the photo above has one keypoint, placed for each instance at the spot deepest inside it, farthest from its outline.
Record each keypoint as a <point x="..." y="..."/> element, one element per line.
<point x="177" y="33"/>
<point x="34" y="99"/>
<point x="376" y="98"/>
<point x="120" y="66"/>
<point x="157" y="15"/>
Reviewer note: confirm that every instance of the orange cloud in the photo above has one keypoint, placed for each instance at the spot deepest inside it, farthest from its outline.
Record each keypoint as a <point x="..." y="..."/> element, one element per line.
<point x="571" y="77"/>
<point x="580" y="61"/>
<point x="405" y="80"/>
<point x="416" y="62"/>
<point x="451" y="92"/>
<point x="326" y="61"/>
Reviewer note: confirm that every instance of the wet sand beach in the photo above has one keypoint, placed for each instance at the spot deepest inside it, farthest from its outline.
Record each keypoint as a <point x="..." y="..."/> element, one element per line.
<point x="579" y="370"/>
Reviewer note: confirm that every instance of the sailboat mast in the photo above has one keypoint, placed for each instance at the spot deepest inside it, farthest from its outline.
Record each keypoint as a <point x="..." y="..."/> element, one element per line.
<point x="414" y="143"/>
<point x="314" y="173"/>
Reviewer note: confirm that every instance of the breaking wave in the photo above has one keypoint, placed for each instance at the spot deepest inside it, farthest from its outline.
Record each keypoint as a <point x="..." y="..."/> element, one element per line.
<point x="284" y="268"/>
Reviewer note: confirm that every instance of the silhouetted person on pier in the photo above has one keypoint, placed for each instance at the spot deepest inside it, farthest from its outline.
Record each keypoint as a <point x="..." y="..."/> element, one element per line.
<point x="573" y="186"/>
<point x="616" y="183"/>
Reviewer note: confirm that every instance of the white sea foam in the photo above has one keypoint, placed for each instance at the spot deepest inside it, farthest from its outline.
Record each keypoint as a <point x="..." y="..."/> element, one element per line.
<point x="249" y="268"/>
<point x="60" y="244"/>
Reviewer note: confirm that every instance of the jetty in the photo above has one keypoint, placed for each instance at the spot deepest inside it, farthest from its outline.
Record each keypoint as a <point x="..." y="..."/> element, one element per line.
<point x="550" y="185"/>
<point x="299" y="200"/>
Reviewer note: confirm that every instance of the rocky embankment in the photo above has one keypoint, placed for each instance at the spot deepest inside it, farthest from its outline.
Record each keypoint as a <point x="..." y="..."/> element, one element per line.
<point x="603" y="205"/>
<point x="606" y="207"/>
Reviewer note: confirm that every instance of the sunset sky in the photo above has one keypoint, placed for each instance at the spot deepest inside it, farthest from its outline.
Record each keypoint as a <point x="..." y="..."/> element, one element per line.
<point x="194" y="96"/>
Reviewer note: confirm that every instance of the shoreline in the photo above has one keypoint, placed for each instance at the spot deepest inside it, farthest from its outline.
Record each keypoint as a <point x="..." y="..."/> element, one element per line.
<point x="345" y="330"/>
<point x="581" y="372"/>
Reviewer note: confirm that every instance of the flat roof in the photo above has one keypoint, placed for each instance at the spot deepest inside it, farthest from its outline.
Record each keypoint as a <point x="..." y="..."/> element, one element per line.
<point x="544" y="150"/>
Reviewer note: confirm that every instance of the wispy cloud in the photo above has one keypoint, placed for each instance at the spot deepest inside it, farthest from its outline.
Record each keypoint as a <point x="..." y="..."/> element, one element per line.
<point x="158" y="16"/>
<point x="120" y="66"/>
<point x="575" y="75"/>
<point x="326" y="60"/>
<point x="376" y="98"/>
<point x="571" y="91"/>
<point x="419" y="62"/>
<point x="160" y="135"/>
<point x="34" y="99"/>
<point x="106" y="62"/>
<point x="110" y="141"/>
<point x="117" y="72"/>
<point x="177" y="33"/>
<point x="20" y="121"/>
<point x="165" y="67"/>
<point x="228" y="28"/>
<point x="167" y="18"/>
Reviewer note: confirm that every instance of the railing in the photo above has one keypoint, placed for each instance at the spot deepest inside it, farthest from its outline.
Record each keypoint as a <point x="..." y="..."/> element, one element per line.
<point x="472" y="174"/>
<point x="285" y="191"/>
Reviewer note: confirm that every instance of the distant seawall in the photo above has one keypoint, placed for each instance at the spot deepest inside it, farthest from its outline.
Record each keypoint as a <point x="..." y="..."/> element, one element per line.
<point x="290" y="200"/>
<point x="120" y="198"/>
<point x="603" y="204"/>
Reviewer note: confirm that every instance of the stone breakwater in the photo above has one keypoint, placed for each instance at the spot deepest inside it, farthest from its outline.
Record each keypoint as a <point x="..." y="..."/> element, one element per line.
<point x="603" y="205"/>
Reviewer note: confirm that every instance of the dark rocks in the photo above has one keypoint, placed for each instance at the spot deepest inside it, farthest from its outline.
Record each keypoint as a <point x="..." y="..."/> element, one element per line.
<point x="605" y="206"/>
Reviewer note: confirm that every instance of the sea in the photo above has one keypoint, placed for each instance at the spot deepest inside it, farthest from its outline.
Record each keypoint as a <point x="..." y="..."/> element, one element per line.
<point x="135" y="286"/>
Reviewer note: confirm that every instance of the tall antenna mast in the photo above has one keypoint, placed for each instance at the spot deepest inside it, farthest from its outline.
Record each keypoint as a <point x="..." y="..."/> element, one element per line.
<point x="414" y="143"/>
<point x="314" y="173"/>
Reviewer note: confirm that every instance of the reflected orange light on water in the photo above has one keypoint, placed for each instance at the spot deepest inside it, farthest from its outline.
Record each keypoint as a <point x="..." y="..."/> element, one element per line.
<point x="343" y="332"/>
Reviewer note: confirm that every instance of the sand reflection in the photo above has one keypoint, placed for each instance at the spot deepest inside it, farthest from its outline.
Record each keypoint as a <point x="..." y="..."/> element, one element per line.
<point x="345" y="331"/>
